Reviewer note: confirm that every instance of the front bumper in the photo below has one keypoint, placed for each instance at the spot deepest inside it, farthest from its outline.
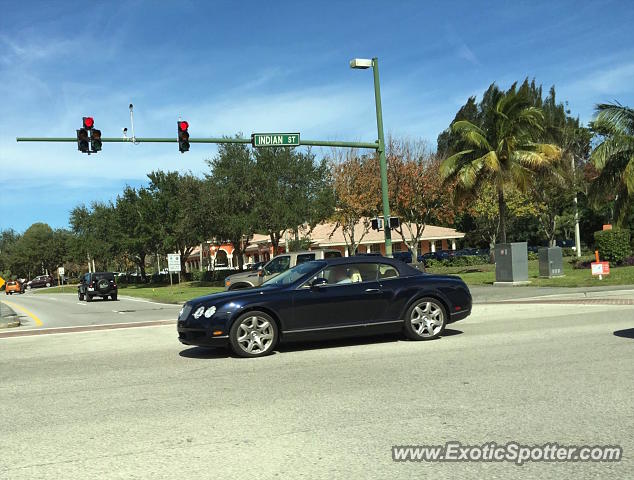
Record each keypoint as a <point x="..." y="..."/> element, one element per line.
<point x="200" y="337"/>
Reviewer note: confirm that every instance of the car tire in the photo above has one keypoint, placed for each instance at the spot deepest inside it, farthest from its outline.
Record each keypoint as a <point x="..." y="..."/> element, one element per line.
<point x="28" y="287"/>
<point x="425" y="319"/>
<point x="88" y="298"/>
<point x="253" y="334"/>
<point x="81" y="296"/>
<point x="48" y="284"/>
<point x="114" y="297"/>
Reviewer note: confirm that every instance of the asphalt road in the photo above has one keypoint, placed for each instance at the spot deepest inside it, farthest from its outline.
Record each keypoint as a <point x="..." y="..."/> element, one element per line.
<point x="38" y="311"/>
<point x="134" y="403"/>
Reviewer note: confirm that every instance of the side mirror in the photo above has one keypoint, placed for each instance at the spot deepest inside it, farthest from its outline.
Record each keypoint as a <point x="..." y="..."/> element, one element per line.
<point x="318" y="283"/>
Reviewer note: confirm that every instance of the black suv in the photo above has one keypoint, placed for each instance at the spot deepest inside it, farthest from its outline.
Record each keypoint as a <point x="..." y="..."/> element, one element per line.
<point x="99" y="284"/>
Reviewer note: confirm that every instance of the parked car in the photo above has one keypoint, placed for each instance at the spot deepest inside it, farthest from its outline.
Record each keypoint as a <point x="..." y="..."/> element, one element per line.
<point x="275" y="266"/>
<point x="41" y="281"/>
<point x="326" y="298"/>
<point x="97" y="284"/>
<point x="403" y="256"/>
<point x="13" y="286"/>
<point x="254" y="267"/>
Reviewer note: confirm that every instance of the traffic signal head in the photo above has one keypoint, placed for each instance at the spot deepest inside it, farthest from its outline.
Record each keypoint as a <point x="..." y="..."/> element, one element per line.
<point x="183" y="136"/>
<point x="89" y="122"/>
<point x="82" y="140"/>
<point x="95" y="140"/>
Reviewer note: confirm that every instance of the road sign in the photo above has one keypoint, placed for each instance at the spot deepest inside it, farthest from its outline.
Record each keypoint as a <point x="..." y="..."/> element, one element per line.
<point x="1" y="282"/>
<point x="600" y="268"/>
<point x="275" y="139"/>
<point x="174" y="262"/>
<point x="60" y="271"/>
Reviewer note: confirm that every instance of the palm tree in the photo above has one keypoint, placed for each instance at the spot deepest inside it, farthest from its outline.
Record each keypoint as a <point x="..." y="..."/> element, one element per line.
<point x="504" y="154"/>
<point x="614" y="157"/>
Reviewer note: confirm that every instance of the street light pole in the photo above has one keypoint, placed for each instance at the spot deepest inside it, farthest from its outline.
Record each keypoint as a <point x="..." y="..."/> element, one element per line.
<point x="362" y="63"/>
<point x="577" y="233"/>
<point x="382" y="160"/>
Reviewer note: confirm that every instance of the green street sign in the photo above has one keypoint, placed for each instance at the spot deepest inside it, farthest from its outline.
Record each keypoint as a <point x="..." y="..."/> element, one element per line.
<point x="275" y="139"/>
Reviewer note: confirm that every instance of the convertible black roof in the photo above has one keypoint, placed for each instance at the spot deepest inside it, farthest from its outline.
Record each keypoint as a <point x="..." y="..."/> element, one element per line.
<point x="402" y="267"/>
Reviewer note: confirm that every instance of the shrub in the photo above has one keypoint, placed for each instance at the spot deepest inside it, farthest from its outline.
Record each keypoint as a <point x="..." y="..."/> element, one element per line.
<point x="466" y="260"/>
<point x="628" y="262"/>
<point x="533" y="256"/>
<point x="613" y="245"/>
<point x="567" y="252"/>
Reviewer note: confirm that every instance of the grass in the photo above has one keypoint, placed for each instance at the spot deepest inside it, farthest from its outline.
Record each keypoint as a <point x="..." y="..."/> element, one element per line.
<point x="158" y="293"/>
<point x="472" y="275"/>
<point x="485" y="275"/>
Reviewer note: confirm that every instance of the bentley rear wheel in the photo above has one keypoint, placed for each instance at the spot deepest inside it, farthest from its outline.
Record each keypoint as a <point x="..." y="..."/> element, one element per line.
<point x="425" y="319"/>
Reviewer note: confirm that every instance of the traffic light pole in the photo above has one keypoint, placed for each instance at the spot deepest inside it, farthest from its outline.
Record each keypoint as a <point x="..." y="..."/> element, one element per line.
<point x="308" y="143"/>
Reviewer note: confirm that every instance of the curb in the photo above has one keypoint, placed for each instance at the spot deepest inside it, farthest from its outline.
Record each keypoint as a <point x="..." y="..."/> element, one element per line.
<point x="9" y="319"/>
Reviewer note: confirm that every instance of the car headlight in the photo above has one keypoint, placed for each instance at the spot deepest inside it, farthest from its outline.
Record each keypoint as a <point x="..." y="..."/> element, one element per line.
<point x="199" y="312"/>
<point x="209" y="312"/>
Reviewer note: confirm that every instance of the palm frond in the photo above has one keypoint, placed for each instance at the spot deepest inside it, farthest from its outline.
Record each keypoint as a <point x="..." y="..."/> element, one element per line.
<point x="451" y="165"/>
<point x="611" y="147"/>
<point x="617" y="114"/>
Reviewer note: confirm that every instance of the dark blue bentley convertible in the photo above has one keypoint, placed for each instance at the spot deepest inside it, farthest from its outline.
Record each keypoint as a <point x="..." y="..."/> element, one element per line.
<point x="326" y="298"/>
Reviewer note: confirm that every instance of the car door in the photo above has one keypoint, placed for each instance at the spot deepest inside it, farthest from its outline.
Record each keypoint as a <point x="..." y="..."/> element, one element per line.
<point x="350" y="298"/>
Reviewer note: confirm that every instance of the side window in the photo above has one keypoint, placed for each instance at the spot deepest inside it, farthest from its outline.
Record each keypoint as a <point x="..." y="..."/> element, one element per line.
<point x="354" y="273"/>
<point x="387" y="271"/>
<point x="305" y="257"/>
<point x="278" y="264"/>
<point x="332" y="254"/>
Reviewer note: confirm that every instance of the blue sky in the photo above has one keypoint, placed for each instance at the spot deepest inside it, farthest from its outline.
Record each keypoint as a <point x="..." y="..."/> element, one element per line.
<point x="229" y="67"/>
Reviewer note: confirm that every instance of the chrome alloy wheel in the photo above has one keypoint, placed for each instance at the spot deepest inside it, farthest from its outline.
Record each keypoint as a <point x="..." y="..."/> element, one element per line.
<point x="427" y="319"/>
<point x="255" y="335"/>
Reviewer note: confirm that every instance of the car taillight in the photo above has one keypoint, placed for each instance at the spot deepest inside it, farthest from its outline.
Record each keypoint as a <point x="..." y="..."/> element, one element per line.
<point x="90" y="285"/>
<point x="114" y="285"/>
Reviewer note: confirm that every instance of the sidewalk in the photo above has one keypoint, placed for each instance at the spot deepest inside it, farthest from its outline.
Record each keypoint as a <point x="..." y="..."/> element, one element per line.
<point x="8" y="318"/>
<point x="485" y="293"/>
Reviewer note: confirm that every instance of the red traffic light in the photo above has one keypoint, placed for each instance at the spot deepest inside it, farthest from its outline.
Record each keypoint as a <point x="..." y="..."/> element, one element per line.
<point x="89" y="122"/>
<point x="183" y="126"/>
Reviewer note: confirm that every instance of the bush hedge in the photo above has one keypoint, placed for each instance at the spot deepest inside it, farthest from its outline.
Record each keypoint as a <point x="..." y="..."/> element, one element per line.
<point x="613" y="245"/>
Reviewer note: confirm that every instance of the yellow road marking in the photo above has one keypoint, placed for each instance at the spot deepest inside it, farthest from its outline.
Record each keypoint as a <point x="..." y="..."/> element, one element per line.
<point x="37" y="321"/>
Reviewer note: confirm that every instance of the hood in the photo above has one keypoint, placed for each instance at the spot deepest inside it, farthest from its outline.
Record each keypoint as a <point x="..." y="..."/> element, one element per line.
<point x="220" y="297"/>
<point x="242" y="275"/>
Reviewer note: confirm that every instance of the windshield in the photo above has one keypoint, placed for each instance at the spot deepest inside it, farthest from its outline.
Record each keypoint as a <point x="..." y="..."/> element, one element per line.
<point x="294" y="274"/>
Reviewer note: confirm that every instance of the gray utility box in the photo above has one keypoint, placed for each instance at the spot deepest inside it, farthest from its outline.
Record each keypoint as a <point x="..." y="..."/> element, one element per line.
<point x="511" y="262"/>
<point x="551" y="262"/>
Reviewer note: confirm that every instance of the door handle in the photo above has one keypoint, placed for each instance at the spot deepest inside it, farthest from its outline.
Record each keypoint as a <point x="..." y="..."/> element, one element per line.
<point x="372" y="290"/>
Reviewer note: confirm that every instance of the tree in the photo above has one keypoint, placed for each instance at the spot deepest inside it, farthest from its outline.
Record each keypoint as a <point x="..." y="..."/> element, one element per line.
<point x="182" y="219"/>
<point x="136" y="217"/>
<point x="293" y="190"/>
<point x="504" y="151"/>
<point x="357" y="185"/>
<point x="613" y="158"/>
<point x="555" y="188"/>
<point x="95" y="234"/>
<point x="40" y="249"/>
<point x="233" y="193"/>
<point x="417" y="193"/>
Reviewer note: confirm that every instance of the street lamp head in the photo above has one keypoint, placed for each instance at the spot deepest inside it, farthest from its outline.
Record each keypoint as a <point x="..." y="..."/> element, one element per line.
<point x="361" y="63"/>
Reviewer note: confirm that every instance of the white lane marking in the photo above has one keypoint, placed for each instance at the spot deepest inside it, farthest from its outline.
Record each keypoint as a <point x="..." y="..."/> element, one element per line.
<point x="169" y="325"/>
<point x="120" y="313"/>
<point x="124" y="297"/>
<point x="81" y="303"/>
